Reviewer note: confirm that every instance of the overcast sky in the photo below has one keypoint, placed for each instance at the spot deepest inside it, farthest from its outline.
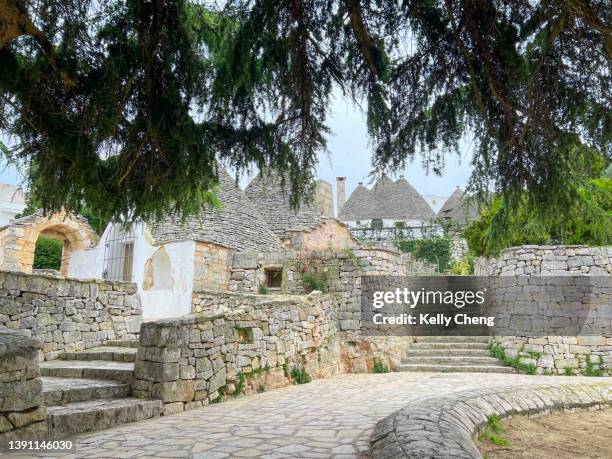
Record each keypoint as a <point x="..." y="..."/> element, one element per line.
<point x="350" y="157"/>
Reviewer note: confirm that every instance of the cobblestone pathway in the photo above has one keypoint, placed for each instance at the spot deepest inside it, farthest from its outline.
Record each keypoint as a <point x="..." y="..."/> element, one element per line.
<point x="326" y="418"/>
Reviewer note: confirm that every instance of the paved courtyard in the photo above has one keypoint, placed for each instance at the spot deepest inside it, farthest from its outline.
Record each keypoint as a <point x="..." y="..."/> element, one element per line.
<point x="327" y="418"/>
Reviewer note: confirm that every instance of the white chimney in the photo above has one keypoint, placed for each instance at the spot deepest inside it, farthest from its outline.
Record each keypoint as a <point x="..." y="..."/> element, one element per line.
<point x="341" y="192"/>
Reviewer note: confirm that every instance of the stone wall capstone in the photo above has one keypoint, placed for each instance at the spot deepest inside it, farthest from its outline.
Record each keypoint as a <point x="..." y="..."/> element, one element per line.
<point x="69" y="314"/>
<point x="22" y="414"/>
<point x="547" y="260"/>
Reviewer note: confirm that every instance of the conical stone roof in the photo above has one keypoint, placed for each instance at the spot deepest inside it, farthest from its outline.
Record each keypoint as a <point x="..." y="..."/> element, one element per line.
<point x="272" y="202"/>
<point x="358" y="204"/>
<point x="458" y="208"/>
<point x="386" y="200"/>
<point x="236" y="224"/>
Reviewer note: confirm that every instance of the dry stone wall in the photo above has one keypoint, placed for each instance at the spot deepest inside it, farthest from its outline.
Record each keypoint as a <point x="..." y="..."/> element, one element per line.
<point x="211" y="266"/>
<point x="68" y="314"/>
<point x="357" y="352"/>
<point x="228" y="350"/>
<point x="580" y="278"/>
<point x="549" y="260"/>
<point x="22" y="414"/>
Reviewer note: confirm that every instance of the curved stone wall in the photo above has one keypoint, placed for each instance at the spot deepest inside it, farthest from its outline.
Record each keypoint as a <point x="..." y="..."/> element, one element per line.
<point x="446" y="426"/>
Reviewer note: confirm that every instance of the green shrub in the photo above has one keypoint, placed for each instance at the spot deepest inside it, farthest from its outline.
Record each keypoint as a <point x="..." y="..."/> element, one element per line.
<point x="435" y="250"/>
<point x="464" y="267"/>
<point x="588" y="221"/>
<point x="569" y="371"/>
<point x="262" y="289"/>
<point x="315" y="280"/>
<point x="300" y="375"/>
<point x="48" y="253"/>
<point x="379" y="367"/>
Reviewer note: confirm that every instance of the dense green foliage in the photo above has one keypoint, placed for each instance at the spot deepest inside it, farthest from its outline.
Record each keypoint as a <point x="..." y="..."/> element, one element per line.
<point x="588" y="220"/>
<point x="436" y="250"/>
<point x="315" y="280"/>
<point x="127" y="107"/>
<point x="379" y="367"/>
<point x="48" y="253"/>
<point x="300" y="375"/>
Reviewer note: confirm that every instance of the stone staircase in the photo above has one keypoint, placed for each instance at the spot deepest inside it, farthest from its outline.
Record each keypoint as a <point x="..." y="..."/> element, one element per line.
<point x="90" y="390"/>
<point x="452" y="354"/>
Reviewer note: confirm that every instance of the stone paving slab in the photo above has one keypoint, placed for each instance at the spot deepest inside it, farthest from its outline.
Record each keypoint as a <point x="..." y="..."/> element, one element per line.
<point x="332" y="417"/>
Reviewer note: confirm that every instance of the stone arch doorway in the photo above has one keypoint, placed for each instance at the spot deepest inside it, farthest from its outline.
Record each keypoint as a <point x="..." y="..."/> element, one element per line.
<point x="18" y="239"/>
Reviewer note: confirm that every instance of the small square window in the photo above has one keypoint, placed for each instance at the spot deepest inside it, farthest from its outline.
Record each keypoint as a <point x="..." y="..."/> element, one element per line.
<point x="274" y="277"/>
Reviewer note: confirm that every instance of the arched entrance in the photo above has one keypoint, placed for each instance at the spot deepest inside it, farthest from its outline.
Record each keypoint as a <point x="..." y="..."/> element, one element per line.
<point x="18" y="239"/>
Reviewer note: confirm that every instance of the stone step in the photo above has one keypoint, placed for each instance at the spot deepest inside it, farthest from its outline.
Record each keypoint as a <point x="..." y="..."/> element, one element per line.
<point x="482" y="346"/>
<point x="421" y="352"/>
<point x="110" y="353"/>
<point x="457" y="368"/>
<point x="452" y="339"/>
<point x="59" y="391"/>
<point x="93" y="369"/>
<point x="452" y="360"/>
<point x="75" y="418"/>
<point x="122" y="343"/>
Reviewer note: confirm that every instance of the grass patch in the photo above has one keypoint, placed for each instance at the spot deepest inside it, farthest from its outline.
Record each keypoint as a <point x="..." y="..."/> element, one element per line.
<point x="300" y="375"/>
<point x="262" y="289"/>
<point x="590" y="370"/>
<point x="497" y="351"/>
<point x="315" y="280"/>
<point x="493" y="432"/>
<point x="568" y="371"/>
<point x="379" y="367"/>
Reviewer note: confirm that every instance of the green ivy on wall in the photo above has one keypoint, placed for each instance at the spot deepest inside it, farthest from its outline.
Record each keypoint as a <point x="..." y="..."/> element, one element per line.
<point x="436" y="250"/>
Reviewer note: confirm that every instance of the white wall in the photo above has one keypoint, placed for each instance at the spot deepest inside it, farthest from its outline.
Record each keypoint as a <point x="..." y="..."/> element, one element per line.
<point x="164" y="303"/>
<point x="156" y="303"/>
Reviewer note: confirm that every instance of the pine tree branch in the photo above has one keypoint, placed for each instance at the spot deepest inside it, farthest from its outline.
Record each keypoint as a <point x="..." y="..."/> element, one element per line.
<point x="585" y="11"/>
<point x="360" y="32"/>
<point x="14" y="22"/>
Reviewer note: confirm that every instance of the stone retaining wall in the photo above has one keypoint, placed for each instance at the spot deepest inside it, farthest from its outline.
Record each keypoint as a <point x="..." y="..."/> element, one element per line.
<point x="201" y="358"/>
<point x="575" y="283"/>
<point x="357" y="352"/>
<point x="447" y="426"/>
<point x="22" y="414"/>
<point x="68" y="314"/>
<point x="562" y="355"/>
<point x="547" y="260"/>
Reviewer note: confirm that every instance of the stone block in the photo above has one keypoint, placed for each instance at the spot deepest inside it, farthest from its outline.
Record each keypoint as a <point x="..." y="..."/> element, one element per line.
<point x="23" y="418"/>
<point x="20" y="396"/>
<point x="173" y="408"/>
<point x="174" y="391"/>
<point x="156" y="371"/>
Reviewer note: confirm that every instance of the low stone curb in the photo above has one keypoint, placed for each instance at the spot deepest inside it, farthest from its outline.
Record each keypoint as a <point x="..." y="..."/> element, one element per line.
<point x="445" y="427"/>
